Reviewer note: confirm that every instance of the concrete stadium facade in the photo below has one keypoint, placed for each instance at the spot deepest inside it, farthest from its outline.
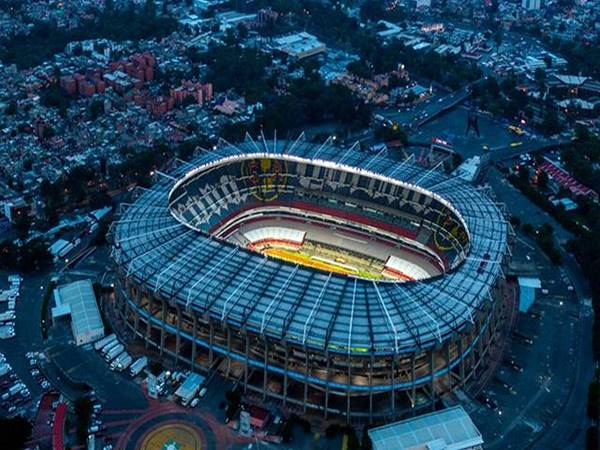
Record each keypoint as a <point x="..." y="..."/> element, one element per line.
<point x="314" y="341"/>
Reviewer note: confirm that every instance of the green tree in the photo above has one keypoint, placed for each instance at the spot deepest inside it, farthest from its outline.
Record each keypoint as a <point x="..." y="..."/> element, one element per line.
<point x="83" y="413"/>
<point x="550" y="123"/>
<point x="15" y="432"/>
<point x="593" y="403"/>
<point x="11" y="109"/>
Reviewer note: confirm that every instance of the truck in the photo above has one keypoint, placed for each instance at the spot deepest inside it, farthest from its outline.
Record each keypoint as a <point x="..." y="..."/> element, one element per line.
<point x="99" y="345"/>
<point x="122" y="362"/>
<point x="4" y="369"/>
<point x="13" y="390"/>
<point x="108" y="347"/>
<point x="66" y="249"/>
<point x="115" y="361"/>
<point x="139" y="365"/>
<point x="8" y="295"/>
<point x="116" y="351"/>
<point x="7" y="316"/>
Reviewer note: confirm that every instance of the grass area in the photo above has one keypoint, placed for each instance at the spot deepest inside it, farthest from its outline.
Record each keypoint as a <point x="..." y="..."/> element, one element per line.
<point x="304" y="259"/>
<point x="44" y="309"/>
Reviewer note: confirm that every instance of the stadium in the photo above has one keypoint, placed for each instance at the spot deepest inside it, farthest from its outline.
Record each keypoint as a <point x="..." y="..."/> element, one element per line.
<point x="321" y="277"/>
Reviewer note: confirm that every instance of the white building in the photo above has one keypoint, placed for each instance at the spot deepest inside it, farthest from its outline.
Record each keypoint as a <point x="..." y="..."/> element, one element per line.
<point x="78" y="301"/>
<point x="449" y="429"/>
<point x="531" y="4"/>
<point x="300" y="45"/>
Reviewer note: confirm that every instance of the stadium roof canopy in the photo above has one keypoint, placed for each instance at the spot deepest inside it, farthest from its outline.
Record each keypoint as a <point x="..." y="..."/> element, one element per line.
<point x="449" y="429"/>
<point x="298" y="304"/>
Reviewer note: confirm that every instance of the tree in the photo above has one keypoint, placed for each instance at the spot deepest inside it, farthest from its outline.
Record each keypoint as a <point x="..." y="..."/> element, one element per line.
<point x="366" y="443"/>
<point x="234" y="399"/>
<point x="150" y="8"/>
<point x="11" y="109"/>
<point x="15" y="432"/>
<point x="22" y="225"/>
<point x="542" y="180"/>
<point x="96" y="108"/>
<point x="540" y="77"/>
<point x="550" y="123"/>
<point x="360" y="68"/>
<point x="593" y="403"/>
<point x="83" y="413"/>
<point x="390" y="133"/>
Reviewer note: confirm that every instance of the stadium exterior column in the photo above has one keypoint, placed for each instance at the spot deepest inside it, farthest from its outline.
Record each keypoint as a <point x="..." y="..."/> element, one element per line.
<point x="228" y="351"/>
<point x="480" y="342"/>
<point x="163" y="324"/>
<point x="371" y="388"/>
<point x="327" y="356"/>
<point x="431" y="376"/>
<point x="462" y="360"/>
<point x="247" y="350"/>
<point x="474" y="355"/>
<point x="285" y="373"/>
<point x="447" y="360"/>
<point x="210" y="342"/>
<point x="148" y="322"/>
<point x="178" y="336"/>
<point x="348" y="391"/>
<point x="265" y="374"/>
<point x="393" y="381"/>
<point x="136" y="316"/>
<point x="305" y="380"/>
<point x="413" y="367"/>
<point x="194" y="335"/>
<point x="125" y="307"/>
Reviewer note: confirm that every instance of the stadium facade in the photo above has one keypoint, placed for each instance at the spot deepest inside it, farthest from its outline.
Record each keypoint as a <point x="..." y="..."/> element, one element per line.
<point x="334" y="343"/>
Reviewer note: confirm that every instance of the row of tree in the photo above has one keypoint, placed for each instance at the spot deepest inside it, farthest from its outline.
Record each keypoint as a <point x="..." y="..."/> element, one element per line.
<point x="45" y="39"/>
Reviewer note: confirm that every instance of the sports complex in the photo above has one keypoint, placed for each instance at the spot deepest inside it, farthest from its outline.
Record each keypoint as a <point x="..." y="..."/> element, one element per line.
<point x="321" y="277"/>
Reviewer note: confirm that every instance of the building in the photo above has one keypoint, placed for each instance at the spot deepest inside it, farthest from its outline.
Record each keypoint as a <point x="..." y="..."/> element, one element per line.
<point x="449" y="429"/>
<point x="531" y="5"/>
<point x="77" y="301"/>
<point x="190" y="387"/>
<point x="469" y="169"/>
<point x="300" y="45"/>
<point x="196" y="284"/>
<point x="527" y="287"/>
<point x="200" y="93"/>
<point x="16" y="209"/>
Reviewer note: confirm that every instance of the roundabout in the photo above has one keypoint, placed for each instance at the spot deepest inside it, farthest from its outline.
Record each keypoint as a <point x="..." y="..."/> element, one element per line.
<point x="173" y="436"/>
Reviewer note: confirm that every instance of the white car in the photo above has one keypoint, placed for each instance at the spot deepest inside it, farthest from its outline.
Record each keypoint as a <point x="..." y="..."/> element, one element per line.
<point x="194" y="402"/>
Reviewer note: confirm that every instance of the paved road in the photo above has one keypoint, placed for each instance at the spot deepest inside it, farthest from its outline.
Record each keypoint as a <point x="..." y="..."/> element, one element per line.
<point x="27" y="327"/>
<point x="549" y="411"/>
<point x="428" y="110"/>
<point x="508" y="152"/>
<point x="521" y="207"/>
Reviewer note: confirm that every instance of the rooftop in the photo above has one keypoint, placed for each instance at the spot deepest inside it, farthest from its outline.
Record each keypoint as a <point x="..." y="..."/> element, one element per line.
<point x="78" y="300"/>
<point x="449" y="429"/>
<point x="299" y="304"/>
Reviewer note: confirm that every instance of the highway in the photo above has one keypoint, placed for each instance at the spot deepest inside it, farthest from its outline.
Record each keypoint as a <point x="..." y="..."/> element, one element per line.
<point x="428" y="110"/>
<point x="507" y="152"/>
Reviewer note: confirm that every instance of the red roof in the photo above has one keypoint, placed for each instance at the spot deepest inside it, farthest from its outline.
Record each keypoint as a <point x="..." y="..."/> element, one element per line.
<point x="563" y="178"/>
<point x="58" y="427"/>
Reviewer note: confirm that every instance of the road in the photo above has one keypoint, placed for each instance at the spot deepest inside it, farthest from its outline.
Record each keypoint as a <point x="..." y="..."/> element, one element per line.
<point x="428" y="110"/>
<point x="531" y="146"/>
<point x="559" y="365"/>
